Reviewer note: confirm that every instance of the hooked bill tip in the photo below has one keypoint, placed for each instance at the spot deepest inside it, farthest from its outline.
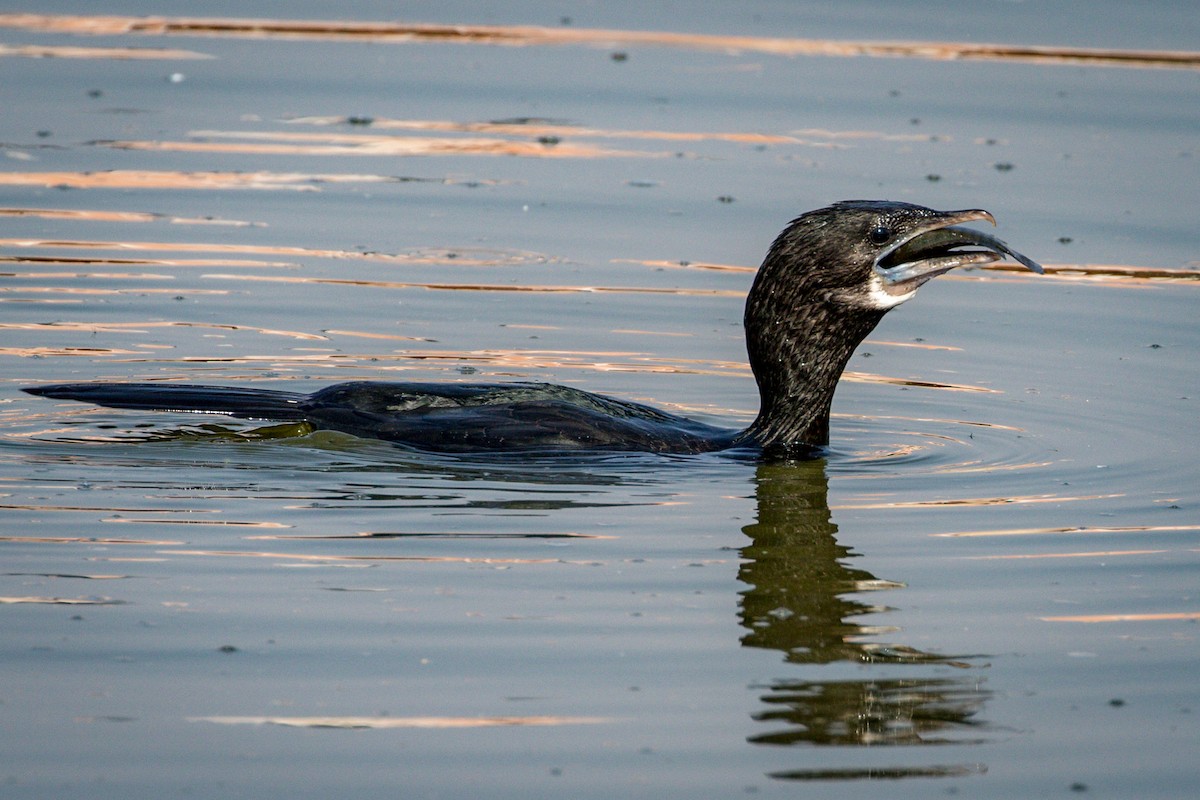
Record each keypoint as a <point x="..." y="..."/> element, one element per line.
<point x="971" y="215"/>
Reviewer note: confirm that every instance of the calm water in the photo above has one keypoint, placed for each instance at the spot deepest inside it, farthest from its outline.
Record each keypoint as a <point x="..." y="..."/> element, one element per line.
<point x="989" y="589"/>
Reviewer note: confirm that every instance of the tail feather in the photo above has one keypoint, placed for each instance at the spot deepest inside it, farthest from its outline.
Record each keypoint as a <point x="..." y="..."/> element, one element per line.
<point x="246" y="403"/>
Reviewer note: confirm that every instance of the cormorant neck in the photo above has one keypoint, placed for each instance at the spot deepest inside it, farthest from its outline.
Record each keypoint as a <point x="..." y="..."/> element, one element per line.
<point x="798" y="347"/>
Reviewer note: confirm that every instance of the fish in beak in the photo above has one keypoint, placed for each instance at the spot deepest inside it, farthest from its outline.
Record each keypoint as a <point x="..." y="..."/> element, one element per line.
<point x="939" y="245"/>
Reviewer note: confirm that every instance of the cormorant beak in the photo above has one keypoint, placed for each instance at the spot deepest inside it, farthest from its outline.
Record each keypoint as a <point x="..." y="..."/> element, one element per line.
<point x="934" y="248"/>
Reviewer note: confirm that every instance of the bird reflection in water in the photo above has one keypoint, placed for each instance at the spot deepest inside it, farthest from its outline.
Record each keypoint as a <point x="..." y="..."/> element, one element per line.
<point x="805" y="600"/>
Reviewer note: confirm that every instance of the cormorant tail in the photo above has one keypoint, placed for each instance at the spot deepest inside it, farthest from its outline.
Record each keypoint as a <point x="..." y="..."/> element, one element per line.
<point x="246" y="403"/>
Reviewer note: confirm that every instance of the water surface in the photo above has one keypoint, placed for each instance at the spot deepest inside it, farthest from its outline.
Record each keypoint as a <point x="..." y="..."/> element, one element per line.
<point x="987" y="589"/>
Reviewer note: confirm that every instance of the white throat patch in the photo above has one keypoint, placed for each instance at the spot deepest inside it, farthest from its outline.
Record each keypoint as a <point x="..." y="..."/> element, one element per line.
<point x="877" y="296"/>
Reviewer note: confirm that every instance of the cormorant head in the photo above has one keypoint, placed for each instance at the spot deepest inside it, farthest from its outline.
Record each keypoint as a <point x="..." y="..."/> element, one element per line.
<point x="873" y="254"/>
<point x="826" y="282"/>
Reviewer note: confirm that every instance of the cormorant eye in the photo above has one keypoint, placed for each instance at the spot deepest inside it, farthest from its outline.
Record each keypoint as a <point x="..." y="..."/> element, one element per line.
<point x="880" y="234"/>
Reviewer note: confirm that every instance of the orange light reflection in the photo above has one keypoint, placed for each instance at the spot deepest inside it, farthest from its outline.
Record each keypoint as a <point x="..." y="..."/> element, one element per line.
<point x="529" y="35"/>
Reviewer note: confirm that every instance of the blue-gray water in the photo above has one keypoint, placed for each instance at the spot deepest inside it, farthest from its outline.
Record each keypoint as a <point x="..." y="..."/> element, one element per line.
<point x="989" y="589"/>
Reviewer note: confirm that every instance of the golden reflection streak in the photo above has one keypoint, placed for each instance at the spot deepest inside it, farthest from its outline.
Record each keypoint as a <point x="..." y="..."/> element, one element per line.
<point x="146" y="262"/>
<point x="58" y="290"/>
<point x="64" y="601"/>
<point x="505" y="358"/>
<point x="701" y="265"/>
<point x="110" y="276"/>
<point x="1167" y="616"/>
<point x="134" y="560"/>
<point x="165" y="179"/>
<point x="542" y="128"/>
<point x="40" y="301"/>
<point x="389" y="723"/>
<point x="1120" y="275"/>
<point x="95" y="215"/>
<point x="361" y="558"/>
<point x="1087" y="554"/>
<point x="376" y="535"/>
<point x="867" y="377"/>
<point x="41" y="352"/>
<point x="501" y="359"/>
<point x="387" y="336"/>
<point x="113" y="509"/>
<point x="82" y="291"/>
<point x="385" y="146"/>
<point x="143" y="327"/>
<point x="514" y="357"/>
<point x="221" y="523"/>
<point x="1078" y="530"/>
<point x="638" y="332"/>
<point x="587" y="358"/>
<point x="249" y="359"/>
<point x="359" y="139"/>
<point x="464" y="257"/>
<point x="915" y="345"/>
<point x="964" y="469"/>
<point x="71" y="576"/>
<point x="109" y="53"/>
<point x="529" y="35"/>
<point x="978" y="501"/>
<point x="483" y="287"/>
<point x="89" y="540"/>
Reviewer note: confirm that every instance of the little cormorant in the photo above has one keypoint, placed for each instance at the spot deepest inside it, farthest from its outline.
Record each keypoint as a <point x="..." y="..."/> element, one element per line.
<point x="825" y="283"/>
